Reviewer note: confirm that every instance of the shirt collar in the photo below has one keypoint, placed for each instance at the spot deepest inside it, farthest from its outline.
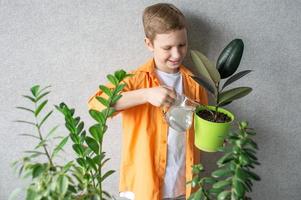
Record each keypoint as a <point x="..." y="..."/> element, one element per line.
<point x="149" y="67"/>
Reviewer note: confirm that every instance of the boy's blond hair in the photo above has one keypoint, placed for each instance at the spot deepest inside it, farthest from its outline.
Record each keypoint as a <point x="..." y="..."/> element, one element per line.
<point x="162" y="18"/>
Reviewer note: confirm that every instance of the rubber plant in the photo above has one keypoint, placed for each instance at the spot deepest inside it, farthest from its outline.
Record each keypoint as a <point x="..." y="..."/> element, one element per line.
<point x="210" y="76"/>
<point x="83" y="177"/>
<point x="212" y="123"/>
<point x="233" y="179"/>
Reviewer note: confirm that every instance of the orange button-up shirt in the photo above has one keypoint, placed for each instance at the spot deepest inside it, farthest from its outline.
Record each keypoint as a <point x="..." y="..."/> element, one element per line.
<point x="144" y="144"/>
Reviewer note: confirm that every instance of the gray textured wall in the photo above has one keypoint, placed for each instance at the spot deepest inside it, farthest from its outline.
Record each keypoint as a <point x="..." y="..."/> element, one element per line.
<point x="72" y="45"/>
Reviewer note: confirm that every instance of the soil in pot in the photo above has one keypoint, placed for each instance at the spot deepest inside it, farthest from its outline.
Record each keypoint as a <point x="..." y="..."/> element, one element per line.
<point x="221" y="117"/>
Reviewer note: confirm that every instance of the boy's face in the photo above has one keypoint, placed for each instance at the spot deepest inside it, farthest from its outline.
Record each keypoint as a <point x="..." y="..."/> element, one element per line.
<point x="169" y="50"/>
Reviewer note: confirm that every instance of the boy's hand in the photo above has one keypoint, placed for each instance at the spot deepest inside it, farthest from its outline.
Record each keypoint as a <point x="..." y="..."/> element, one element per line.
<point x="162" y="96"/>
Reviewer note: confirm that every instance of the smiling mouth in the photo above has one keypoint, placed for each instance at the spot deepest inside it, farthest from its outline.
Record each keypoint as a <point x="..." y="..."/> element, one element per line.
<point x="174" y="62"/>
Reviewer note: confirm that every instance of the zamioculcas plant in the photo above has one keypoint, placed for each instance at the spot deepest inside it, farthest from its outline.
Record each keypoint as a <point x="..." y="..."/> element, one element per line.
<point x="81" y="179"/>
<point x="88" y="148"/>
<point x="49" y="180"/>
<point x="209" y="76"/>
<point x="234" y="177"/>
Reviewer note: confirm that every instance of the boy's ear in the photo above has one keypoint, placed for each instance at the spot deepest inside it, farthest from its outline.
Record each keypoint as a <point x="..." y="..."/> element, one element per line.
<point x="149" y="44"/>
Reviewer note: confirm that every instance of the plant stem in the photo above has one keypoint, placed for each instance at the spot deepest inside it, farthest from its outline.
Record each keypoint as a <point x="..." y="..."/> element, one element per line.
<point x="217" y="101"/>
<point x="41" y="138"/>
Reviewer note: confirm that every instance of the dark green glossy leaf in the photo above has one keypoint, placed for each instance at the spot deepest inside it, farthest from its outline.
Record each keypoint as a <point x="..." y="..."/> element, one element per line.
<point x="112" y="79"/>
<point x="253" y="175"/>
<point x="92" y="143"/>
<point x="115" y="99"/>
<point x="98" y="116"/>
<point x="229" y="59"/>
<point x="106" y="90"/>
<point x="238" y="187"/>
<point x="91" y="163"/>
<point x="78" y="149"/>
<point x="81" y="162"/>
<point x="119" y="88"/>
<point x="80" y="127"/>
<point x="233" y="94"/>
<point x="103" y="101"/>
<point x="208" y="85"/>
<point x="120" y="75"/>
<point x="221" y="184"/>
<point x="221" y="173"/>
<point x="37" y="170"/>
<point x="235" y="77"/>
<point x="225" y="159"/>
<point x="96" y="132"/>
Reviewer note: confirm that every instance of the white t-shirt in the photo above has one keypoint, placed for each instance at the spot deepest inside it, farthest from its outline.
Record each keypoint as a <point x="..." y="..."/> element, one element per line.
<point x="174" y="179"/>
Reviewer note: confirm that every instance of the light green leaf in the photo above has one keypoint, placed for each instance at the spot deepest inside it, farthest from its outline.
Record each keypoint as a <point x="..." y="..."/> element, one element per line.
<point x="60" y="146"/>
<point x="40" y="107"/>
<point x="34" y="90"/>
<point x="30" y="98"/>
<point x="41" y="96"/>
<point x="44" y="119"/>
<point x="107" y="174"/>
<point x="205" y="67"/>
<point x="26" y="109"/>
<point x="29" y="135"/>
<point x="224" y="195"/>
<point x="52" y="131"/>
<point x="25" y="122"/>
<point x="63" y="183"/>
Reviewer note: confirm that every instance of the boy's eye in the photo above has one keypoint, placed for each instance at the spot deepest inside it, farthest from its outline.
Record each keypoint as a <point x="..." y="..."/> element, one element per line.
<point x="182" y="45"/>
<point x="166" y="48"/>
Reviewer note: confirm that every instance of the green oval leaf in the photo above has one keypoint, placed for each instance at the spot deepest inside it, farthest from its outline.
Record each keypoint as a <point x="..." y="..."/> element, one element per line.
<point x="235" y="77"/>
<point x="206" y="83"/>
<point x="229" y="59"/>
<point x="204" y="66"/>
<point x="221" y="173"/>
<point x="224" y="195"/>
<point x="233" y="94"/>
<point x="92" y="144"/>
<point x="40" y="107"/>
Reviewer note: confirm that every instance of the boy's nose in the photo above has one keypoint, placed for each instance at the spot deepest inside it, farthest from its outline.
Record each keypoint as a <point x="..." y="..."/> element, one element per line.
<point x="176" y="53"/>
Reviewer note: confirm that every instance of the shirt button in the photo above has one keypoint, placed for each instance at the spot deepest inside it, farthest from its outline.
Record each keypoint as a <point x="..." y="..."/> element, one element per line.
<point x="164" y="141"/>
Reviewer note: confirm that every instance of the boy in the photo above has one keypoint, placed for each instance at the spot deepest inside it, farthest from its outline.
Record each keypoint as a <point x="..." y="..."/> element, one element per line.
<point x="156" y="159"/>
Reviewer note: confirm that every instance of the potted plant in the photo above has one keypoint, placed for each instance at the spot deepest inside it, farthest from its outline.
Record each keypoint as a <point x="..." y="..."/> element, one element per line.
<point x="83" y="177"/>
<point x="212" y="122"/>
<point x="234" y="177"/>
